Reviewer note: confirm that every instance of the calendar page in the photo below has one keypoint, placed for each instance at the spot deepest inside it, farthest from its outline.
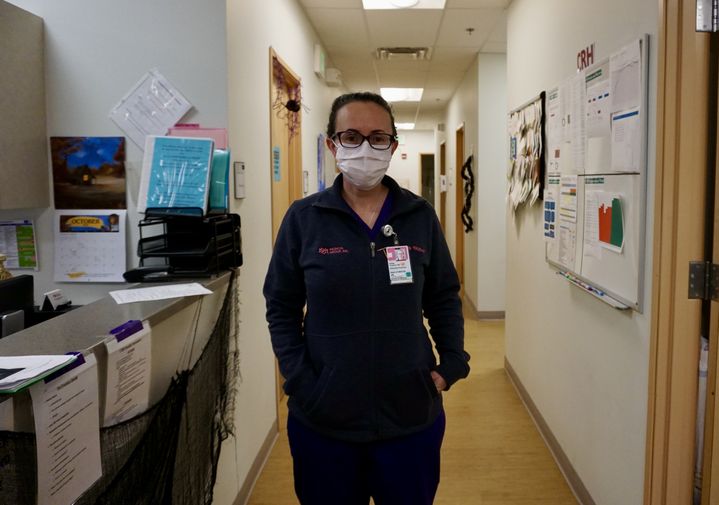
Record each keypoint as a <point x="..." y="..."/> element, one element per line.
<point x="90" y="245"/>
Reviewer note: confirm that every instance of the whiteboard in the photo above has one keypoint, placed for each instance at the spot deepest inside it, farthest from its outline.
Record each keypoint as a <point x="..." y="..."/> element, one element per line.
<point x="596" y="140"/>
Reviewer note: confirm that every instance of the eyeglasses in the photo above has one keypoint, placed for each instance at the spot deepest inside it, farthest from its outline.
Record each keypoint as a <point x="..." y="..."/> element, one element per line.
<point x="351" y="139"/>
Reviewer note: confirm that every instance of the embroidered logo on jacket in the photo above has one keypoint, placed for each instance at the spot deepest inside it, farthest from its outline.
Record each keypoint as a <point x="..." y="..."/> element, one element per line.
<point x="333" y="250"/>
<point x="418" y="249"/>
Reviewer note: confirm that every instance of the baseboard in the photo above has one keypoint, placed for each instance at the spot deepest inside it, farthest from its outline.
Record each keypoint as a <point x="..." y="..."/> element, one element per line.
<point x="482" y="315"/>
<point x="485" y="315"/>
<point x="565" y="466"/>
<point x="246" y="490"/>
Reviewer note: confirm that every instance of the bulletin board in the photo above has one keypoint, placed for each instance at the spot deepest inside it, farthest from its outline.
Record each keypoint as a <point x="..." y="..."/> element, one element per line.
<point x="595" y="187"/>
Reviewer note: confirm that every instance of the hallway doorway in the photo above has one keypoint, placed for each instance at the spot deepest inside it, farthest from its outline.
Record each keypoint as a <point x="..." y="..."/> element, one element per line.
<point x="426" y="176"/>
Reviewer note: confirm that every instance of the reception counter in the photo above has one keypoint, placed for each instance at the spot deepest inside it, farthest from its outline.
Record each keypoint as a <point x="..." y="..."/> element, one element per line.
<point x="170" y="451"/>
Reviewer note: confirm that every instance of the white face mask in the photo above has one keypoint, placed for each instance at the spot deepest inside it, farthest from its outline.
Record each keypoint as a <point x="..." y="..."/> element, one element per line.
<point x="363" y="166"/>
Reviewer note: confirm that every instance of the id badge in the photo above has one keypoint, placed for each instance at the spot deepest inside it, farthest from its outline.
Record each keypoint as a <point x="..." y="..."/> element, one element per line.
<point x="398" y="264"/>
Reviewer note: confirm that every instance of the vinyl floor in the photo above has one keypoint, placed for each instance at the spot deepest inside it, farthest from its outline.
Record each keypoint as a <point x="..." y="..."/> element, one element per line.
<point x="492" y="452"/>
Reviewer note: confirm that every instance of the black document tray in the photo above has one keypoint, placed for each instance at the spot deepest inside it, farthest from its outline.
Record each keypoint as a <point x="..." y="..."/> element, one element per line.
<point x="173" y="246"/>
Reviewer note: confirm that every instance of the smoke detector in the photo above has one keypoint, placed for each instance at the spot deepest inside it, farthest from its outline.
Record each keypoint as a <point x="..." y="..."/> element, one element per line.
<point x="402" y="53"/>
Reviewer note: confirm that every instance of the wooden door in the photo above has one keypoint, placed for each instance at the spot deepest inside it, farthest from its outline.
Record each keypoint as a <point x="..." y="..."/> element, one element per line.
<point x="683" y="102"/>
<point x="710" y="471"/>
<point x="443" y="194"/>
<point x="285" y="150"/>
<point x="285" y="139"/>
<point x="459" y="205"/>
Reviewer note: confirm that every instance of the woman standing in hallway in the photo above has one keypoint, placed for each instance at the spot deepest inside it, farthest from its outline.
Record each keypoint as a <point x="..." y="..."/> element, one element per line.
<point x="368" y="260"/>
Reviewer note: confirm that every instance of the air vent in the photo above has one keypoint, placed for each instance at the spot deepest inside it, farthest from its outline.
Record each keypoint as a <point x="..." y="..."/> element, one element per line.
<point x="402" y="53"/>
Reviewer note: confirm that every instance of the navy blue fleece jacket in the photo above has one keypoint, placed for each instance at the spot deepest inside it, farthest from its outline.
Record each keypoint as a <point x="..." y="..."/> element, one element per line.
<point x="357" y="362"/>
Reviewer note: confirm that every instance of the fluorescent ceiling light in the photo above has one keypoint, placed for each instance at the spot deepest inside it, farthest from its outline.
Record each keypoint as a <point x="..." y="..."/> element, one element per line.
<point x="401" y="94"/>
<point x="402" y="4"/>
<point x="405" y="126"/>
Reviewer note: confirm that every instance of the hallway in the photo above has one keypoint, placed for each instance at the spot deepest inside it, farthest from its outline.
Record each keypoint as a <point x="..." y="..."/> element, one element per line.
<point x="492" y="452"/>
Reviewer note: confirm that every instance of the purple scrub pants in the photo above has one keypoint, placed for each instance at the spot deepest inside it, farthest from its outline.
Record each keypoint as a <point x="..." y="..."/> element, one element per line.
<point x="399" y="471"/>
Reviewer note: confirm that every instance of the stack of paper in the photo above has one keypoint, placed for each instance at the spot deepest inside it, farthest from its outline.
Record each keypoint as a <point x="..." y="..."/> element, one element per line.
<point x="17" y="372"/>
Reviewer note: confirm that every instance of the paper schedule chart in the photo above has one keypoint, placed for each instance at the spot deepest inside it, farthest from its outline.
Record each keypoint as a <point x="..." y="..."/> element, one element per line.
<point x="127" y="392"/>
<point x="67" y="432"/>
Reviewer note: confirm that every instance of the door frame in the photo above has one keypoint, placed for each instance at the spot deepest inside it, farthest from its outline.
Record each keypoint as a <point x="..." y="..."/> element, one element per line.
<point x="443" y="194"/>
<point x="679" y="224"/>
<point x="294" y="176"/>
<point x="459" y="203"/>
<point x="294" y="155"/>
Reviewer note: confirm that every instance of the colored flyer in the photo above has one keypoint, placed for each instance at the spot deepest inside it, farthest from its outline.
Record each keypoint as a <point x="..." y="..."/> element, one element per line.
<point x="17" y="242"/>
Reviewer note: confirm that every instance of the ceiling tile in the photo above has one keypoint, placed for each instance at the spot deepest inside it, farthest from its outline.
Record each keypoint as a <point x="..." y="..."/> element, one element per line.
<point x="354" y="75"/>
<point x="453" y="31"/>
<point x="432" y="95"/>
<point x="402" y="79"/>
<point x="332" y="4"/>
<point x="337" y="27"/>
<point x="452" y="57"/>
<point x="403" y="27"/>
<point x="443" y="80"/>
<point x="494" y="47"/>
<point x="429" y="110"/>
<point x="404" y="108"/>
<point x="347" y="61"/>
<point x="474" y="4"/>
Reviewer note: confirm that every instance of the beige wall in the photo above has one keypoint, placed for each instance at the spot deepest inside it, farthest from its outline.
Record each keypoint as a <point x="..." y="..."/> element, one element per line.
<point x="462" y="110"/>
<point x="490" y="172"/>
<point x="584" y="364"/>
<point x="407" y="171"/>
<point x="252" y="27"/>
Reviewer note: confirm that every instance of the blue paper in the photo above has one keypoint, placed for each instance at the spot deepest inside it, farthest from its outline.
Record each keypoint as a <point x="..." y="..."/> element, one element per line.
<point x="179" y="173"/>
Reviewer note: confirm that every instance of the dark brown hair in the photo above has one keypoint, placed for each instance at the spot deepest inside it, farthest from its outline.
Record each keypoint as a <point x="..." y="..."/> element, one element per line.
<point x="364" y="96"/>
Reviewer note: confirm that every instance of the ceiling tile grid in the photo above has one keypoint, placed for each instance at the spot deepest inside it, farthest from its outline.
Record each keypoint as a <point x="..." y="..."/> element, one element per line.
<point x="351" y="36"/>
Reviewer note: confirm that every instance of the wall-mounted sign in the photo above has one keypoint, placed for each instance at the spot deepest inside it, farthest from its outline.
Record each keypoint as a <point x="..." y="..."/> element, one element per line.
<point x="276" y="171"/>
<point x="585" y="57"/>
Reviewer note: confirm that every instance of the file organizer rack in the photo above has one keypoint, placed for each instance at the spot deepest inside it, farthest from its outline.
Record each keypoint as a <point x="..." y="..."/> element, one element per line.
<point x="190" y="246"/>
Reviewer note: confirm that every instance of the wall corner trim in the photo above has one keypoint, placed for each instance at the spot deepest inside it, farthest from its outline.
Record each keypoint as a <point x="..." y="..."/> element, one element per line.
<point x="482" y="315"/>
<point x="243" y="496"/>
<point x="565" y="466"/>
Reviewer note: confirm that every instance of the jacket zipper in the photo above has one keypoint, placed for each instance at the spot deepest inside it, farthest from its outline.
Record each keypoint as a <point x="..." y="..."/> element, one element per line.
<point x="373" y="379"/>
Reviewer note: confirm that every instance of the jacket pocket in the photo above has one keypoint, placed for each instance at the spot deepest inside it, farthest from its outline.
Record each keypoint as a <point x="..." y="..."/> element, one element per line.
<point x="318" y="391"/>
<point x="339" y="400"/>
<point x="408" y="398"/>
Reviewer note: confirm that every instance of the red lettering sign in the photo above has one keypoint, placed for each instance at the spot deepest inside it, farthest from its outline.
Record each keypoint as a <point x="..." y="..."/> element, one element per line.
<point x="585" y="57"/>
